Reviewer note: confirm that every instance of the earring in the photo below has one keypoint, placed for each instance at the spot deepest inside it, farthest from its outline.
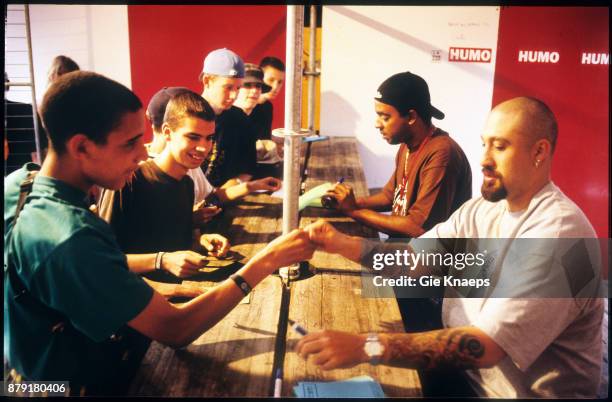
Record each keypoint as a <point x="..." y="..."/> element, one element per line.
<point x="537" y="163"/>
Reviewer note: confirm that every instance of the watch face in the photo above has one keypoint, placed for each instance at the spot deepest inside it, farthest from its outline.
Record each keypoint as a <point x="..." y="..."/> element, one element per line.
<point x="373" y="348"/>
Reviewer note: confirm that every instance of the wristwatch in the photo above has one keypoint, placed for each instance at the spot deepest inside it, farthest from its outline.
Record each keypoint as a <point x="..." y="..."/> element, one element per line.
<point x="241" y="283"/>
<point x="373" y="348"/>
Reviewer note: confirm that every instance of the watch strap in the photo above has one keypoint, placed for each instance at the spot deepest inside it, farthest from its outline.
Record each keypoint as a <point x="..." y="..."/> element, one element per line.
<point x="241" y="283"/>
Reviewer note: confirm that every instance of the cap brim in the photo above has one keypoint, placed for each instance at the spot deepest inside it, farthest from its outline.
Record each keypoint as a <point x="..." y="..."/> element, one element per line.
<point x="435" y="112"/>
<point x="264" y="87"/>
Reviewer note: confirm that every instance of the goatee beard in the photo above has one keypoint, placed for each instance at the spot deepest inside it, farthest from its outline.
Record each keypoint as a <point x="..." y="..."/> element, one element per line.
<point x="493" y="195"/>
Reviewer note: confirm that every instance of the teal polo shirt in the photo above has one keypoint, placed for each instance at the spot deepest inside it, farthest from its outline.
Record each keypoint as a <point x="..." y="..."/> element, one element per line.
<point x="68" y="259"/>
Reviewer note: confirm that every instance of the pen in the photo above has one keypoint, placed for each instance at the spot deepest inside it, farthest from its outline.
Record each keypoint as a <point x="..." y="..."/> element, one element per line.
<point x="278" y="383"/>
<point x="297" y="328"/>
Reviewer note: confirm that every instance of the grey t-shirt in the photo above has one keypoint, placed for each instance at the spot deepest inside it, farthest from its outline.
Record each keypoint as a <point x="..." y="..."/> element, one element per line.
<point x="553" y="345"/>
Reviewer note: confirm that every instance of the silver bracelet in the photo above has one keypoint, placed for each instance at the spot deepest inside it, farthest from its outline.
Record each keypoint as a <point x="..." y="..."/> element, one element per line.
<point x="158" y="260"/>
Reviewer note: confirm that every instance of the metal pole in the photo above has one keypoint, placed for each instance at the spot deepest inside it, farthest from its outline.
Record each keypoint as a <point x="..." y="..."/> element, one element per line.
<point x="34" y="105"/>
<point x="312" y="69"/>
<point x="293" y="93"/>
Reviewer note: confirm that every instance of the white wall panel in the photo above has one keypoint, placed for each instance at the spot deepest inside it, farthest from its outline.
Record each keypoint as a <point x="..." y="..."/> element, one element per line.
<point x="363" y="45"/>
<point x="96" y="37"/>
<point x="111" y="42"/>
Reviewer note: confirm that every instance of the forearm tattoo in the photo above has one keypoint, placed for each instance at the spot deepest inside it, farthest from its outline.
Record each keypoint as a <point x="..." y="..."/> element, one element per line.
<point x="443" y="349"/>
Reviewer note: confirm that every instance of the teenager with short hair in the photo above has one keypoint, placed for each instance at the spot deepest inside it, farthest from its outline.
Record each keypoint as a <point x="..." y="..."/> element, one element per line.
<point x="274" y="77"/>
<point x="206" y="195"/>
<point x="153" y="213"/>
<point x="233" y="157"/>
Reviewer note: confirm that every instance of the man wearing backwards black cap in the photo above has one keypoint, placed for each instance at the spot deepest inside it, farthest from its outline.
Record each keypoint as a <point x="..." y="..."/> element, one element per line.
<point x="432" y="178"/>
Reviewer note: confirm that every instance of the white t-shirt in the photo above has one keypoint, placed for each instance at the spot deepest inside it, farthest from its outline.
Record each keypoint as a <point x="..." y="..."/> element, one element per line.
<point x="553" y="345"/>
<point x="201" y="186"/>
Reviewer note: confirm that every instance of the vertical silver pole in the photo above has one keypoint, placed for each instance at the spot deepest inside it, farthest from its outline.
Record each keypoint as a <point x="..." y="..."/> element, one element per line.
<point x="293" y="94"/>
<point x="312" y="69"/>
<point x="37" y="129"/>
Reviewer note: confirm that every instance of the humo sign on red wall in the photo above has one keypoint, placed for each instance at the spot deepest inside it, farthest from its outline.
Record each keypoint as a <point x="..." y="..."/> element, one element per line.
<point x="561" y="56"/>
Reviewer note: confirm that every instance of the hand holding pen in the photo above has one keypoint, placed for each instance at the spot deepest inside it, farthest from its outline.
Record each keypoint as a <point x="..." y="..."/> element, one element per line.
<point x="343" y="196"/>
<point x="328" y="200"/>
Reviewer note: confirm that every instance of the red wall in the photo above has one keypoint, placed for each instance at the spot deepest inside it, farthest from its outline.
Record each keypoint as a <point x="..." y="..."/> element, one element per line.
<point x="168" y="43"/>
<point x="578" y="94"/>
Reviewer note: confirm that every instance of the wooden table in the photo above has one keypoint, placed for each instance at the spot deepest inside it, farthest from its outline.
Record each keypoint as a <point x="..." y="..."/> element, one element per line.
<point x="239" y="355"/>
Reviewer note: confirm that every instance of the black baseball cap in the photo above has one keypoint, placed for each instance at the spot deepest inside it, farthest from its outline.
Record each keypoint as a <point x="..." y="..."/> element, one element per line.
<point x="159" y="101"/>
<point x="406" y="91"/>
<point x="254" y="74"/>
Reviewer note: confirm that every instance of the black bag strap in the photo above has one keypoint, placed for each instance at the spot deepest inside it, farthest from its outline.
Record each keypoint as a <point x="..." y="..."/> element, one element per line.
<point x="22" y="295"/>
<point x="25" y="188"/>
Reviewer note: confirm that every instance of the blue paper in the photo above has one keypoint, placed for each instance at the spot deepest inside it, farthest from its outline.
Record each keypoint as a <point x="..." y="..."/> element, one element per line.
<point x="358" y="387"/>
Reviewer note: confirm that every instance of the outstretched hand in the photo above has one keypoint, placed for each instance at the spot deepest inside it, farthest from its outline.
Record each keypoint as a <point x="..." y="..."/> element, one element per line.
<point x="333" y="349"/>
<point x="265" y="184"/>
<point x="323" y="235"/>
<point x="287" y="249"/>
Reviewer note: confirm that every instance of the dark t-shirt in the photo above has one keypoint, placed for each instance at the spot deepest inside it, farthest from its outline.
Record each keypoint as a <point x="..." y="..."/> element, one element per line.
<point x="234" y="150"/>
<point x="261" y="120"/>
<point x="153" y="212"/>
<point x="439" y="180"/>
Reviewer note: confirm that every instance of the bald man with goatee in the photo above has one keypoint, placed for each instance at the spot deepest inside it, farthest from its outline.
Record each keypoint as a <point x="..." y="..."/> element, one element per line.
<point x="507" y="346"/>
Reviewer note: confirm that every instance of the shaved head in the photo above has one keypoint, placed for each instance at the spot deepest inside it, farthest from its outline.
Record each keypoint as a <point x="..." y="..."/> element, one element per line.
<point x="531" y="118"/>
<point x="518" y="141"/>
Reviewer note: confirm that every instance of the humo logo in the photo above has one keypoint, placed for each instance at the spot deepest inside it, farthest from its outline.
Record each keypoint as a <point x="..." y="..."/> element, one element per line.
<point x="537" y="56"/>
<point x="469" y="54"/>
<point x="595" y="58"/>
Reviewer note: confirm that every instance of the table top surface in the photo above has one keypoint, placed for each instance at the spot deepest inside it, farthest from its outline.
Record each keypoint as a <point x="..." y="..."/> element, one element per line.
<point x="238" y="356"/>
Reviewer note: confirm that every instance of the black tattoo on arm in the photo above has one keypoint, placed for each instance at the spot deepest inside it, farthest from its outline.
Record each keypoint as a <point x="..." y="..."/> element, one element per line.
<point x="442" y="349"/>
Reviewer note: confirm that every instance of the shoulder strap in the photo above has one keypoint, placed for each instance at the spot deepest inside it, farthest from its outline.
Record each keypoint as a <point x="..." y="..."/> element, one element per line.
<point x="25" y="188"/>
<point x="21" y="292"/>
